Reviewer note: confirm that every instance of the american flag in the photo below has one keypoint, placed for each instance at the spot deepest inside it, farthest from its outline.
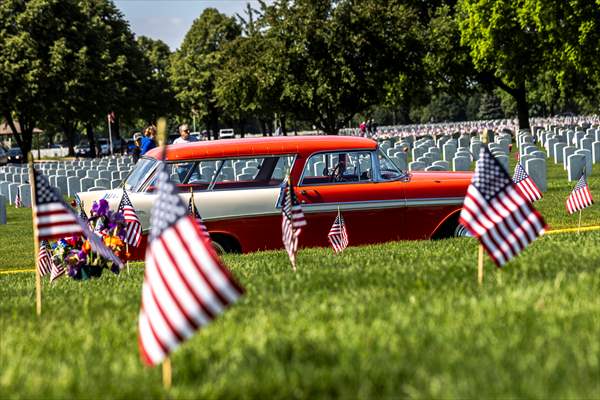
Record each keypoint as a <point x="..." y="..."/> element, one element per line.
<point x="44" y="260"/>
<point x="338" y="237"/>
<point x="185" y="284"/>
<point x="133" y="226"/>
<point x="111" y="117"/>
<point x="193" y="211"/>
<point x="57" y="271"/>
<point x="497" y="214"/>
<point x="292" y="221"/>
<point x="18" y="202"/>
<point x="525" y="184"/>
<point x="580" y="197"/>
<point x="54" y="219"/>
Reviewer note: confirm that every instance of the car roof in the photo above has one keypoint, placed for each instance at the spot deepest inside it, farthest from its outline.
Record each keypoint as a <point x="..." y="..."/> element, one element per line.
<point x="260" y="146"/>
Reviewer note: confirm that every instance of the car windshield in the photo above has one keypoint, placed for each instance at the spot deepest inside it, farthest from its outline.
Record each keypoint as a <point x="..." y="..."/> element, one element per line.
<point x="139" y="175"/>
<point x="387" y="169"/>
<point x="14" y="152"/>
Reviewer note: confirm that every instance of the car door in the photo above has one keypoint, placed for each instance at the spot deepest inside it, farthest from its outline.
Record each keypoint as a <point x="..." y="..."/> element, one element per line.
<point x="242" y="200"/>
<point x="373" y="209"/>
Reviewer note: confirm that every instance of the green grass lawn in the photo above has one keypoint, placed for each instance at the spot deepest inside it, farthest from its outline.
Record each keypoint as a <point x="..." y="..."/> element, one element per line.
<point x="402" y="319"/>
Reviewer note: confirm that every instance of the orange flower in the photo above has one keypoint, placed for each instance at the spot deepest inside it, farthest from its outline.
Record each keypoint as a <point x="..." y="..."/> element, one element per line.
<point x="86" y="246"/>
<point x="113" y="241"/>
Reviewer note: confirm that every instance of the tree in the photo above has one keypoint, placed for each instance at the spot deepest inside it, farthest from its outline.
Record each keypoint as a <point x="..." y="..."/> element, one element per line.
<point x="194" y="67"/>
<point x="158" y="98"/>
<point x="65" y="63"/>
<point x="512" y="43"/>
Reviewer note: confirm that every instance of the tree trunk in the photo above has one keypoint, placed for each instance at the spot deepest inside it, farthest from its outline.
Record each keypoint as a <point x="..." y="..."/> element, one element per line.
<point x="25" y="137"/>
<point x="89" y="130"/>
<point x="282" y="120"/>
<point x="520" y="96"/>
<point x="70" y="134"/>
<point x="263" y="127"/>
<point x="241" y="128"/>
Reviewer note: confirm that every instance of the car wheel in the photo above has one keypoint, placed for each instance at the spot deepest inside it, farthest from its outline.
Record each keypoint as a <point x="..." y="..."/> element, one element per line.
<point x="461" y="231"/>
<point x="218" y="248"/>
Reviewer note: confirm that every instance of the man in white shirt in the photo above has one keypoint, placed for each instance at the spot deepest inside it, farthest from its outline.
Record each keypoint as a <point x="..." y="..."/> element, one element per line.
<point x="184" y="135"/>
<point x="182" y="169"/>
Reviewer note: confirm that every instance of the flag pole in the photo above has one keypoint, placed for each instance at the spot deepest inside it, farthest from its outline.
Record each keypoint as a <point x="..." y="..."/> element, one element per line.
<point x="162" y="141"/>
<point x="480" y="265"/>
<point x="36" y="241"/>
<point x="126" y="255"/>
<point x="579" y="225"/>
<point x="166" y="373"/>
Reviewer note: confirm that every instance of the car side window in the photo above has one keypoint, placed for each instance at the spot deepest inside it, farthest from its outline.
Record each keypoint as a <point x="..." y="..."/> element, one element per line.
<point x="338" y="167"/>
<point x="240" y="173"/>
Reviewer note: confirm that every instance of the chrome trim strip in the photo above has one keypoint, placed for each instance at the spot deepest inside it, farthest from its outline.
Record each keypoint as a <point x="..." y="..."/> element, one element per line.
<point x="443" y="201"/>
<point x="351" y="206"/>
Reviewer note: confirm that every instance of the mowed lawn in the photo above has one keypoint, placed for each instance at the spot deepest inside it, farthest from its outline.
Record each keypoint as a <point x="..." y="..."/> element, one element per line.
<point x="402" y="319"/>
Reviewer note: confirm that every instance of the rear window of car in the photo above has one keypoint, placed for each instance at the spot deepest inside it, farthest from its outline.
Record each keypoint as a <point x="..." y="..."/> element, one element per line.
<point x="229" y="174"/>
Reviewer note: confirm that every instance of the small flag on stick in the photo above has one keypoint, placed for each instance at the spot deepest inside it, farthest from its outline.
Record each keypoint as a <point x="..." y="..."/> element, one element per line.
<point x="497" y="214"/>
<point x="292" y="221"/>
<point x="133" y="226"/>
<point x="56" y="272"/>
<point x="580" y="197"/>
<point x="185" y="285"/>
<point x="193" y="211"/>
<point x="525" y="184"/>
<point x="338" y="237"/>
<point x="54" y="219"/>
<point x="44" y="260"/>
<point x="18" y="202"/>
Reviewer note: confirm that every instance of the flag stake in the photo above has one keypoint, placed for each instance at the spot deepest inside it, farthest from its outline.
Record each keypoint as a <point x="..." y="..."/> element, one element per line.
<point x="36" y="241"/>
<point x="166" y="373"/>
<point x="126" y="255"/>
<point x="579" y="225"/>
<point x="480" y="265"/>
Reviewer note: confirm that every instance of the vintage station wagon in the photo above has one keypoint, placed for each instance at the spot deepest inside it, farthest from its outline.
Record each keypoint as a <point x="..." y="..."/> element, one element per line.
<point x="237" y="187"/>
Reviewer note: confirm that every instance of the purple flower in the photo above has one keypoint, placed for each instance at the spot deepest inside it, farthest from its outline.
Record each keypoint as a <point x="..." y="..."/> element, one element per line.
<point x="100" y="208"/>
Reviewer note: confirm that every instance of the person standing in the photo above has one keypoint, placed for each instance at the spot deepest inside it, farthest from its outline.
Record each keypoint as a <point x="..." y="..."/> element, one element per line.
<point x="183" y="168"/>
<point x="148" y="141"/>
<point x="137" y="150"/>
<point x="184" y="135"/>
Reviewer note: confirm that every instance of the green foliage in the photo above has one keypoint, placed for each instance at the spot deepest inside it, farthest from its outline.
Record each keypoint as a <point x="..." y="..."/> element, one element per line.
<point x="194" y="66"/>
<point x="66" y="62"/>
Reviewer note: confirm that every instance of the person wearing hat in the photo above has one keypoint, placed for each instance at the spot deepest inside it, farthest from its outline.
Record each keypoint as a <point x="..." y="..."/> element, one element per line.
<point x="137" y="150"/>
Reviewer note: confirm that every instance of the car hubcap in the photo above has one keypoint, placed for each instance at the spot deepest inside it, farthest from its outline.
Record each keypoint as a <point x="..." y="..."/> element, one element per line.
<point x="461" y="231"/>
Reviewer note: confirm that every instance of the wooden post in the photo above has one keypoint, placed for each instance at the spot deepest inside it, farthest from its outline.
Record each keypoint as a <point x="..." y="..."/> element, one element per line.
<point x="579" y="225"/>
<point x="480" y="265"/>
<point x="36" y="242"/>
<point x="166" y="373"/>
<point x="126" y="255"/>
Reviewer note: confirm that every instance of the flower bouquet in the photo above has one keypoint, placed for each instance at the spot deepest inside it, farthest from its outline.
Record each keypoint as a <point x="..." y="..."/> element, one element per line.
<point x="75" y="254"/>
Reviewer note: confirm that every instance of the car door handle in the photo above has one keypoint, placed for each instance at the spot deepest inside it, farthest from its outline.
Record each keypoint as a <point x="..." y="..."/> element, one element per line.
<point x="310" y="193"/>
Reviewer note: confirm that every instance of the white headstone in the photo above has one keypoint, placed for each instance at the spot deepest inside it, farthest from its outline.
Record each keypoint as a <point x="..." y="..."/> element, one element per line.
<point x="416" y="166"/>
<point x="536" y="168"/>
<point x="576" y="163"/>
<point x="461" y="164"/>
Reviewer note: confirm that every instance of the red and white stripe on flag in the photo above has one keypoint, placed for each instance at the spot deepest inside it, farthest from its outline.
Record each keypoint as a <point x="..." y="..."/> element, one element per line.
<point x="580" y="197"/>
<point x="185" y="284"/>
<point x="497" y="214"/>
<point x="338" y="237"/>
<point x="44" y="260"/>
<point x="525" y="184"/>
<point x="133" y="226"/>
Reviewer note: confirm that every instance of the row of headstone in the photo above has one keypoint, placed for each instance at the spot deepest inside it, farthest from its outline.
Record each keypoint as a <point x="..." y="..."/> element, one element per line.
<point x="68" y="177"/>
<point x="576" y="150"/>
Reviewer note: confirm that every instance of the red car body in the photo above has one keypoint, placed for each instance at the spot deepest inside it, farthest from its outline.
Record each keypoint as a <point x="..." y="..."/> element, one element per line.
<point x="378" y="206"/>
